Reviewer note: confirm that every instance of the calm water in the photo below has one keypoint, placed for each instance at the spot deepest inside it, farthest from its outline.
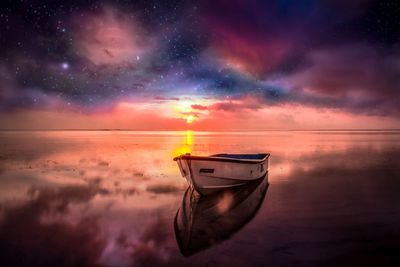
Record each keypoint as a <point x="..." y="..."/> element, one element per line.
<point x="111" y="198"/>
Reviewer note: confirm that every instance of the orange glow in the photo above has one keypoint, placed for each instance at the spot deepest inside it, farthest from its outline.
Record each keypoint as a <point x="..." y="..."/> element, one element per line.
<point x="235" y="115"/>
<point x="185" y="146"/>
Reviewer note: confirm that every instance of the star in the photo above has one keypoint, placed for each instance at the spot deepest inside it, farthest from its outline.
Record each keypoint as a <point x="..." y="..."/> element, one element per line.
<point x="65" y="65"/>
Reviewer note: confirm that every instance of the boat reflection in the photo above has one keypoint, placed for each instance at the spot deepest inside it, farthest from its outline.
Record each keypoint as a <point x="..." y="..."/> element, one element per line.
<point x="203" y="221"/>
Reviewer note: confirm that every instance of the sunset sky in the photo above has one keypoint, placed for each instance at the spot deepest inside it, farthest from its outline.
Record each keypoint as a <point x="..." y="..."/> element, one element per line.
<point x="200" y="65"/>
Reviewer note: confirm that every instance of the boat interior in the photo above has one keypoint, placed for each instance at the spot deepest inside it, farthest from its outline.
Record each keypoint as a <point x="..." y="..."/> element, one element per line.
<point x="241" y="156"/>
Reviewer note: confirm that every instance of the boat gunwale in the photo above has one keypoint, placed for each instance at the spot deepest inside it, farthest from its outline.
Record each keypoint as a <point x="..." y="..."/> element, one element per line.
<point x="223" y="159"/>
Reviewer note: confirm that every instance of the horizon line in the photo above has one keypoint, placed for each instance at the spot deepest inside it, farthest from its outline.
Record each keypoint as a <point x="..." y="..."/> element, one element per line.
<point x="231" y="130"/>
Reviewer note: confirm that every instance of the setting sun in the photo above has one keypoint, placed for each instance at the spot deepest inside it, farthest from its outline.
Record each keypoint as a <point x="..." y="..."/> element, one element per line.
<point x="183" y="109"/>
<point x="190" y="119"/>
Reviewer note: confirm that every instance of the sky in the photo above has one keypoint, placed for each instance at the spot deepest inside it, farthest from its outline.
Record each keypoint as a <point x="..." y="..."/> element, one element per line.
<point x="201" y="65"/>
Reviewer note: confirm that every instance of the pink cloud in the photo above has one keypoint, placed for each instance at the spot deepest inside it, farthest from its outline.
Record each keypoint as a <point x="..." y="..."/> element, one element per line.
<point x="110" y="37"/>
<point x="256" y="57"/>
<point x="247" y="103"/>
<point x="166" y="98"/>
<point x="242" y="38"/>
<point x="199" y="107"/>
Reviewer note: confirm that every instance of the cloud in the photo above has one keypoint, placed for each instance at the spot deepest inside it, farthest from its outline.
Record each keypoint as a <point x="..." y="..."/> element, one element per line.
<point x="199" y="107"/>
<point x="357" y="78"/>
<point x="111" y="37"/>
<point x="166" y="98"/>
<point x="247" y="103"/>
<point x="190" y="113"/>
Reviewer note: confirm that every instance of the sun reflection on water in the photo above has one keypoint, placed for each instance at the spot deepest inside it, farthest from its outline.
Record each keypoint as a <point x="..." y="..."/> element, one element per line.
<point x="189" y="137"/>
<point x="185" y="146"/>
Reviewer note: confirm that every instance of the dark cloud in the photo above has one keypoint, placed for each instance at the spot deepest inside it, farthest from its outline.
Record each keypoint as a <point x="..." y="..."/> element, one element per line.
<point x="355" y="77"/>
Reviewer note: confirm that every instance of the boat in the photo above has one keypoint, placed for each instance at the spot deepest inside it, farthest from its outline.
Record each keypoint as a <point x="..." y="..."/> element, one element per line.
<point x="221" y="171"/>
<point x="204" y="221"/>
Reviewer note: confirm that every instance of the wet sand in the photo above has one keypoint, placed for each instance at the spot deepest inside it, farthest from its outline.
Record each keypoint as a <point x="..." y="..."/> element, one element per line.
<point x="110" y="198"/>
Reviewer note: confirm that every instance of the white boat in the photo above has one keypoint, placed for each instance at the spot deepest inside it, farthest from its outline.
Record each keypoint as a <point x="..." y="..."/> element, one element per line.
<point x="222" y="171"/>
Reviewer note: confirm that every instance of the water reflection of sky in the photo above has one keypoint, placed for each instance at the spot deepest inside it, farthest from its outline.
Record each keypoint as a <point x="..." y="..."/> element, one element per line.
<point x="109" y="198"/>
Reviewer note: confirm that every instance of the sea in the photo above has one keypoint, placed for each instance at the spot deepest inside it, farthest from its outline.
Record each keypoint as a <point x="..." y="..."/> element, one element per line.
<point x="117" y="198"/>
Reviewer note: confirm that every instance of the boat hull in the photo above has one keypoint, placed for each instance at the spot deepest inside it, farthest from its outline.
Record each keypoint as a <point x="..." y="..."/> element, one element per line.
<point x="209" y="174"/>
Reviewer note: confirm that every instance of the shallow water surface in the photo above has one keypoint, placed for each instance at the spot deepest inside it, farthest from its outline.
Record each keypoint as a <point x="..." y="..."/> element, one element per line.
<point x="116" y="198"/>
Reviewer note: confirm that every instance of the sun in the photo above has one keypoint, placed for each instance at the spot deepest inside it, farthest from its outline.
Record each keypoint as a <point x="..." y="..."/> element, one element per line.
<point x="187" y="108"/>
<point x="184" y="111"/>
<point x="190" y="119"/>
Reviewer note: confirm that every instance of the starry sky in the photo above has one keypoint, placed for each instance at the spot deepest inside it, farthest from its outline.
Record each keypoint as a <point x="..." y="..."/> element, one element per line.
<point x="207" y="65"/>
